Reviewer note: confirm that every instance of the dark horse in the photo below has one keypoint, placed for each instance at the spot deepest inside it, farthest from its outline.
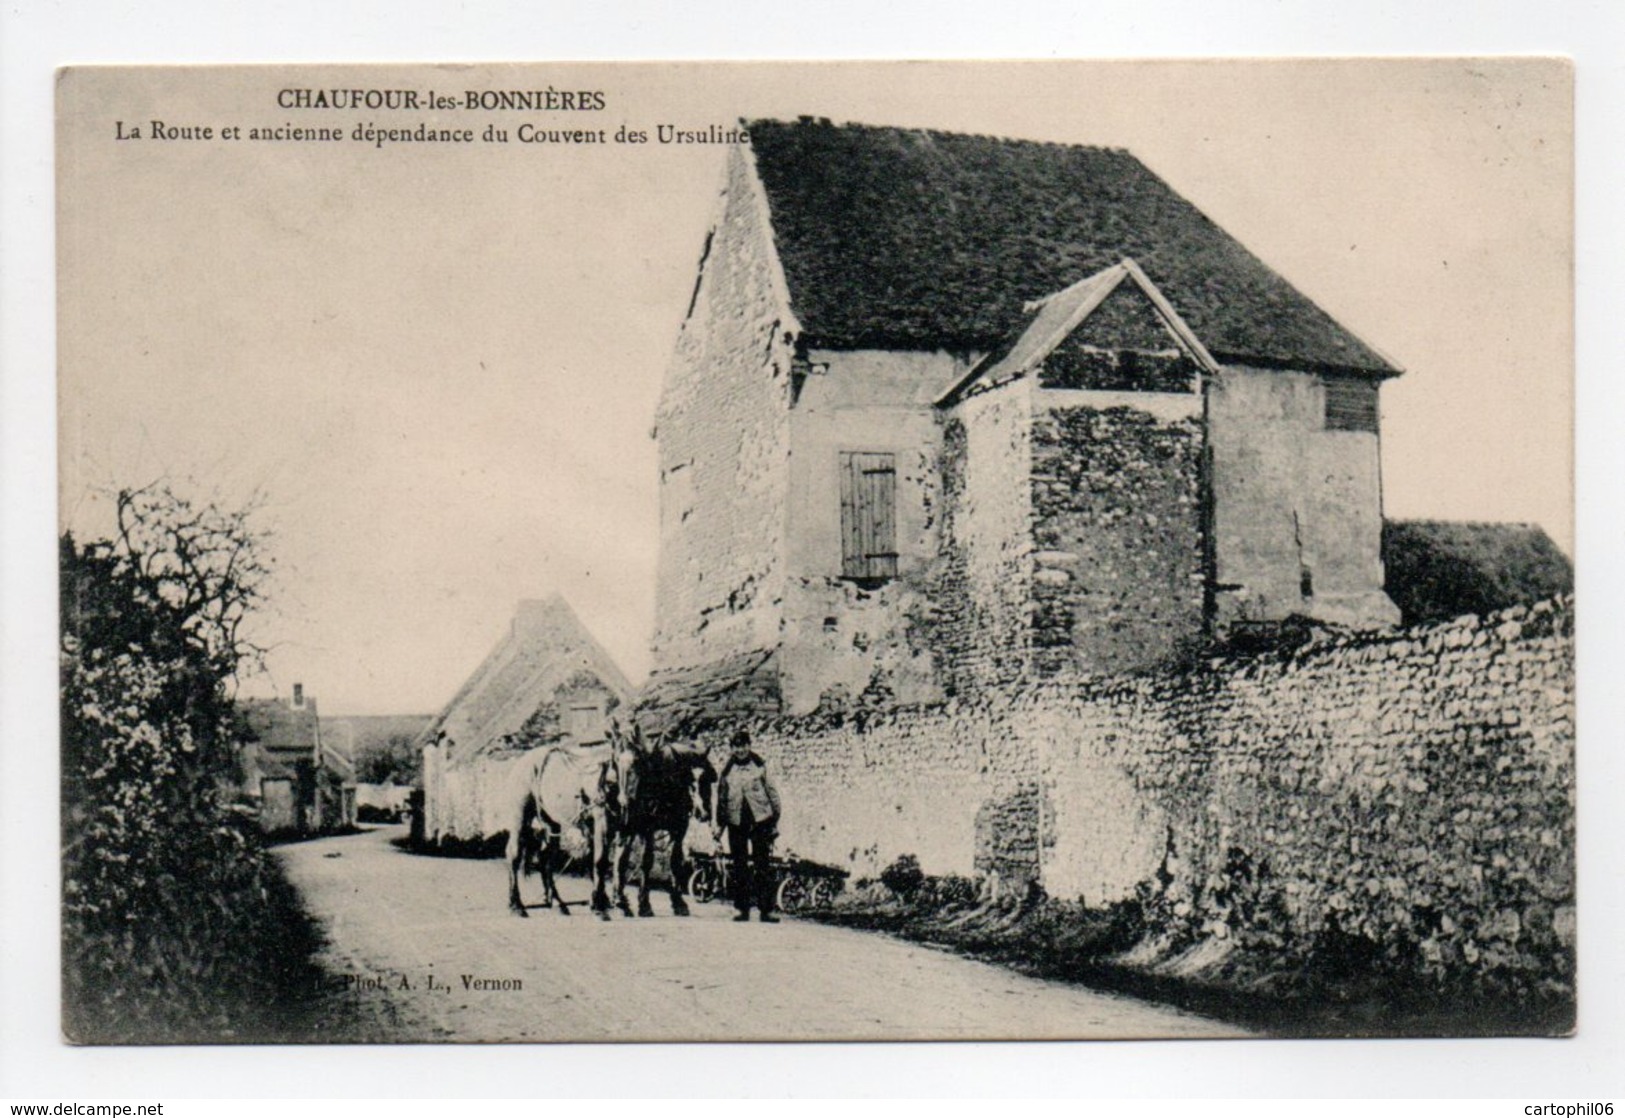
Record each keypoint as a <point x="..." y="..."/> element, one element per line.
<point x="555" y="788"/>
<point x="661" y="788"/>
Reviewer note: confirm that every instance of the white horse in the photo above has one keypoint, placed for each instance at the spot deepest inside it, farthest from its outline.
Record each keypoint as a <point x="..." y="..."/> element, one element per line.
<point x="557" y="787"/>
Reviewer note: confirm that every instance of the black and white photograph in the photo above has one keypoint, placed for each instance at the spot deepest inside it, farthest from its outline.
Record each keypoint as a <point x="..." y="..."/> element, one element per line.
<point x="792" y="551"/>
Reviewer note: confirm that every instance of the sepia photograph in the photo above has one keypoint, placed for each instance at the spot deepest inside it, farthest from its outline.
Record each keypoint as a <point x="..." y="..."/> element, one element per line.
<point x="794" y="551"/>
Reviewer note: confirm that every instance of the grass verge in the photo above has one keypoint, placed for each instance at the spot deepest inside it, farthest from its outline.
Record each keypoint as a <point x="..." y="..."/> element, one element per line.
<point x="1114" y="949"/>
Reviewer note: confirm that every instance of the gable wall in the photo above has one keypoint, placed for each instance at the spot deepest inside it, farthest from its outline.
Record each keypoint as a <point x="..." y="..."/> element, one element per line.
<point x="866" y="400"/>
<point x="723" y="433"/>
<point x="1289" y="497"/>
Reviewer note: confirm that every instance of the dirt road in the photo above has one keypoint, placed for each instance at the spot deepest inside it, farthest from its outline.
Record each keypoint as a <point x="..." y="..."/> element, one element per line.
<point x="429" y="952"/>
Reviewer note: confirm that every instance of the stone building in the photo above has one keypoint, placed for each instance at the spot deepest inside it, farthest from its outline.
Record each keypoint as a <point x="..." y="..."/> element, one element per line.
<point x="951" y="412"/>
<point x="300" y="781"/>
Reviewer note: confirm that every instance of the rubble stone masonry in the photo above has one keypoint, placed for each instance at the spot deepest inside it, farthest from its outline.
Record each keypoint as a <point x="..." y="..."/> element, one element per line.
<point x="984" y="629"/>
<point x="1116" y="498"/>
<point x="1413" y="788"/>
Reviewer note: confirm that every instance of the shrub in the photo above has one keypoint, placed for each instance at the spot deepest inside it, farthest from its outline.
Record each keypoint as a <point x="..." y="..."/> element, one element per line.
<point x="949" y="891"/>
<point x="176" y="923"/>
<point x="904" y="876"/>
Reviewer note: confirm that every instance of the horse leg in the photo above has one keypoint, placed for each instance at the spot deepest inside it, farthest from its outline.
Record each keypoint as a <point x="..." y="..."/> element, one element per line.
<point x="623" y="854"/>
<point x="603" y="857"/>
<point x="516" y="857"/>
<point x="552" y="852"/>
<point x="679" y="869"/>
<point x="540" y="847"/>
<point x="644" y="907"/>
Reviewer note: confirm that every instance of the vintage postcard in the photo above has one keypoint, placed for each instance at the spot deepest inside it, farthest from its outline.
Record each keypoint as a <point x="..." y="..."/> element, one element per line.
<point x="845" y="551"/>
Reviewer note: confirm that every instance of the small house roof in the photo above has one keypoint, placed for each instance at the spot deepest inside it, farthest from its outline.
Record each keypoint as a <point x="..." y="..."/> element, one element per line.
<point x="546" y="653"/>
<point x="894" y="238"/>
<point x="690" y="699"/>
<point x="1052" y="319"/>
<point x="281" y="729"/>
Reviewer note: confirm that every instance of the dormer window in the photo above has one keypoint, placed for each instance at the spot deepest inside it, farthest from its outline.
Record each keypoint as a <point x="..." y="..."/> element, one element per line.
<point x="868" y="516"/>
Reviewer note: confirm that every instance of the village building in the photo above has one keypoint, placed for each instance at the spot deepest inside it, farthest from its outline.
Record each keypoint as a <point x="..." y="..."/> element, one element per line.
<point x="999" y="489"/>
<point x="298" y="780"/>
<point x="948" y="412"/>
<point x="547" y="681"/>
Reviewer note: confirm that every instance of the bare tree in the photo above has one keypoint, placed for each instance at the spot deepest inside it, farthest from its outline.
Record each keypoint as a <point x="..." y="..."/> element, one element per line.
<point x="209" y="564"/>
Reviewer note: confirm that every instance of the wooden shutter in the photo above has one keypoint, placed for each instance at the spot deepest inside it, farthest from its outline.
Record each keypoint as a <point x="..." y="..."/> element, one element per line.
<point x="868" y="515"/>
<point x="1351" y="404"/>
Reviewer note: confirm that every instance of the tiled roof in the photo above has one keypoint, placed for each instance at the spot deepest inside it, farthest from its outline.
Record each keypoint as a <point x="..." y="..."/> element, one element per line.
<point x="280" y="729"/>
<point x="906" y="239"/>
<point x="690" y="699"/>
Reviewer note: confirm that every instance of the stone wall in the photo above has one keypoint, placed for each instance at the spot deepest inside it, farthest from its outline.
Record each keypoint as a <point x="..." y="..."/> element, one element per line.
<point x="871" y="401"/>
<point x="469" y="801"/>
<point x="848" y="645"/>
<point x="723" y="432"/>
<point x="843" y="641"/>
<point x="860" y="790"/>
<point x="1117" y="528"/>
<point x="983" y="629"/>
<point x="1413" y="792"/>
<point x="278" y="805"/>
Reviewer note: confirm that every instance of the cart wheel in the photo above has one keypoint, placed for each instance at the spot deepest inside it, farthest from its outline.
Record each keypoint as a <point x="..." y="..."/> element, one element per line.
<point x="793" y="894"/>
<point x="702" y="883"/>
<point x="821" y="894"/>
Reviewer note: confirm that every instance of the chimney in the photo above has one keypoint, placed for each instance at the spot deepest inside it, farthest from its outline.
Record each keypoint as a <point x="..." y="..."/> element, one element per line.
<point x="298" y="695"/>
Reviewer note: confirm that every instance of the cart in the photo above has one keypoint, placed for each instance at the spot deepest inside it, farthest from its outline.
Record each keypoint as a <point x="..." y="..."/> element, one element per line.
<point x="800" y="885"/>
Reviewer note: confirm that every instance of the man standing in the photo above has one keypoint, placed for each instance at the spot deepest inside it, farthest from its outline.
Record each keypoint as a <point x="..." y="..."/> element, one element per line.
<point x="748" y="806"/>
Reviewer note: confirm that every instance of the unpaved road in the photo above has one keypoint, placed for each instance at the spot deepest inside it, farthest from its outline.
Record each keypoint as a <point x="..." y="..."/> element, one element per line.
<point x="413" y="927"/>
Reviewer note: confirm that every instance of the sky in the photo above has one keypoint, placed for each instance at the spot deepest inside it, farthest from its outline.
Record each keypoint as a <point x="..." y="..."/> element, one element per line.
<point x="439" y="366"/>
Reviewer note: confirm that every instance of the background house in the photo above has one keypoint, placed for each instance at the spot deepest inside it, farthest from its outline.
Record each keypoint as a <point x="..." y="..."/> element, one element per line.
<point x="547" y="680"/>
<point x="301" y="782"/>
<point x="950" y="412"/>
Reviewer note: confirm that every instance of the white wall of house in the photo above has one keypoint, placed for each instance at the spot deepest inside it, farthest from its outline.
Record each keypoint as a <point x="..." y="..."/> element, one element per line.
<point x="723" y="434"/>
<point x="1296" y="506"/>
